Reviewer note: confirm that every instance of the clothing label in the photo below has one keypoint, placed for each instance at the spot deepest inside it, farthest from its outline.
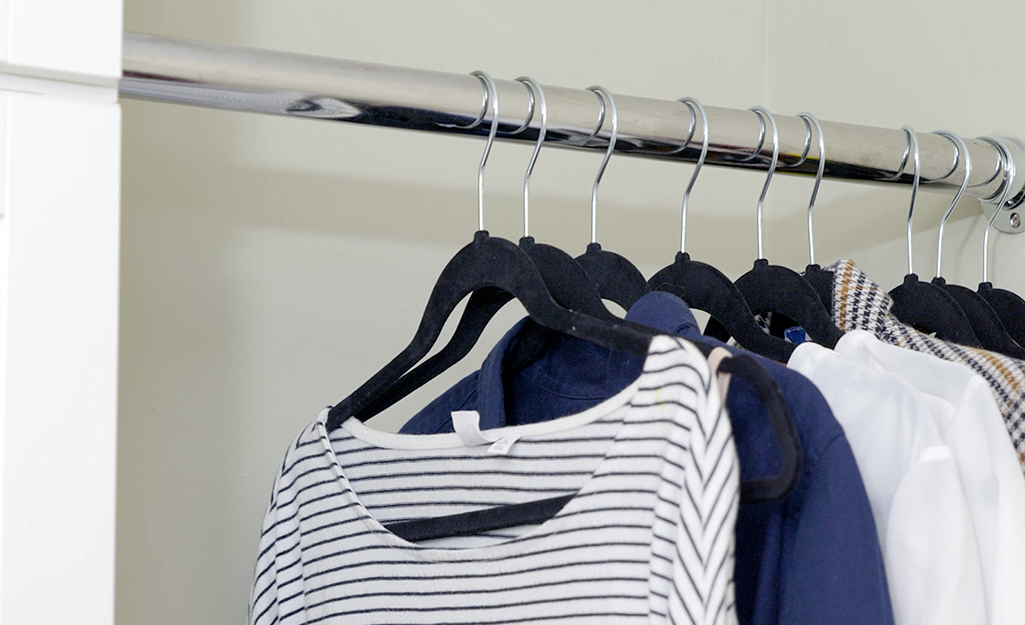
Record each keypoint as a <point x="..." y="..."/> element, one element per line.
<point x="795" y="335"/>
<point x="715" y="359"/>
<point x="467" y="426"/>
<point x="502" y="446"/>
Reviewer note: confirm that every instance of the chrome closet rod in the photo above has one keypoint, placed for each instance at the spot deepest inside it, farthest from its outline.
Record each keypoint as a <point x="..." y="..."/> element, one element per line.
<point x="283" y="83"/>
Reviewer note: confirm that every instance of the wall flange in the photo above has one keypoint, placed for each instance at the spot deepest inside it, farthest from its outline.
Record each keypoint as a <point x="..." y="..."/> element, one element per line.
<point x="1011" y="219"/>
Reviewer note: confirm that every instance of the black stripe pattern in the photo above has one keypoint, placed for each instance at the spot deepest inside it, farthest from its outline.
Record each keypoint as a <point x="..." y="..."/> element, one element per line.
<point x="648" y="536"/>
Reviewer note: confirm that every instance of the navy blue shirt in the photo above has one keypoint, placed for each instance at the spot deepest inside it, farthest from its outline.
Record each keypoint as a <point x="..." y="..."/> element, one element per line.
<point x="811" y="558"/>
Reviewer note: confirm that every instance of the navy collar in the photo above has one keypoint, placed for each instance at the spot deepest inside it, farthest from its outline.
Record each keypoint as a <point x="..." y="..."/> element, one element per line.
<point x="598" y="372"/>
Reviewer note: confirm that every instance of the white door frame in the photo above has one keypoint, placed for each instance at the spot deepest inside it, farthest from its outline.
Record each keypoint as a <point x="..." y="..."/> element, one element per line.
<point x="59" y="259"/>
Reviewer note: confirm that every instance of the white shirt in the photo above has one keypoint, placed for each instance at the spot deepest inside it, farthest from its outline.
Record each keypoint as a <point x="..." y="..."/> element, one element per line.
<point x="971" y="424"/>
<point x="912" y="481"/>
<point x="646" y="538"/>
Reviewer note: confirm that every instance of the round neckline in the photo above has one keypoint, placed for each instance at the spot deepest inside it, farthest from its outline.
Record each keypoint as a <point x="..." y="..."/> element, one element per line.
<point x="451" y="441"/>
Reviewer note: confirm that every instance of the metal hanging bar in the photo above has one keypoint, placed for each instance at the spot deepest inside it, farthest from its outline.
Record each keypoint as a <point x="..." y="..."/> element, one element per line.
<point x="282" y="83"/>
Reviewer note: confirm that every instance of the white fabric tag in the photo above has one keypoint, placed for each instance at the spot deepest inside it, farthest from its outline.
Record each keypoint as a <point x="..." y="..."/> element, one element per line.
<point x="502" y="446"/>
<point x="467" y="426"/>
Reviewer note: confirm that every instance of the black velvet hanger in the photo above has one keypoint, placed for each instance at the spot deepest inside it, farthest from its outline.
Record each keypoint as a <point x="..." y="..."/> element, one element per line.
<point x="703" y="287"/>
<point x="568" y="284"/>
<point x="1009" y="308"/>
<point x="535" y="512"/>
<point x="491" y="265"/>
<point x="821" y="281"/>
<point x="571" y="287"/>
<point x="777" y="289"/>
<point x="929" y="308"/>
<point x="486" y="262"/>
<point x="984" y="320"/>
<point x="925" y="306"/>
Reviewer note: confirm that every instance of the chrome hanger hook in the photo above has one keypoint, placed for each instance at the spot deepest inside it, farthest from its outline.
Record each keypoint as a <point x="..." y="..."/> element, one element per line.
<point x="810" y="120"/>
<point x="530" y="112"/>
<point x="961" y="152"/>
<point x="695" y="108"/>
<point x="601" y="119"/>
<point x="807" y="144"/>
<point x="603" y="95"/>
<point x="764" y="115"/>
<point x="1004" y="155"/>
<point x="913" y="143"/>
<point x="490" y="94"/>
<point x="538" y="92"/>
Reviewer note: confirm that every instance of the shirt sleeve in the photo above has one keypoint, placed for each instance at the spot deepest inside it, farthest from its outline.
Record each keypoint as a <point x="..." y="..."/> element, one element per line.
<point x="932" y="562"/>
<point x="832" y="563"/>
<point x="263" y="601"/>
<point x="702" y="590"/>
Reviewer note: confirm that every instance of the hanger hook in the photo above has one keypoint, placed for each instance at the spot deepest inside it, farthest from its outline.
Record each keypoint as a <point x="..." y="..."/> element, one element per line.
<point x="912" y="138"/>
<point x="764" y="115"/>
<point x="809" y="121"/>
<point x="538" y="92"/>
<point x="603" y="96"/>
<point x="960" y="152"/>
<point x="1004" y="155"/>
<point x="695" y="108"/>
<point x="490" y="94"/>
<point x="807" y="143"/>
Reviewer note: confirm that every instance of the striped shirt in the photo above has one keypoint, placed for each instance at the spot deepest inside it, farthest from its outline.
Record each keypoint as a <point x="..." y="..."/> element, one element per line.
<point x="646" y="538"/>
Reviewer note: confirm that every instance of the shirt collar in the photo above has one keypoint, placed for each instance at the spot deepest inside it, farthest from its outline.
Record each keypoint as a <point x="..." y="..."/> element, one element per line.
<point x="596" y="370"/>
<point x="858" y="302"/>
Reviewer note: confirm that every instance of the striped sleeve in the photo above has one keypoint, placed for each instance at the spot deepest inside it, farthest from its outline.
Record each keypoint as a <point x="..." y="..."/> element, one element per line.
<point x="707" y="504"/>
<point x="263" y="601"/>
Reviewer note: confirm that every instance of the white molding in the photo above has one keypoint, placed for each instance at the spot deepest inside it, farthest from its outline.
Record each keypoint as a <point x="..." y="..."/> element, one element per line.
<point x="58" y="364"/>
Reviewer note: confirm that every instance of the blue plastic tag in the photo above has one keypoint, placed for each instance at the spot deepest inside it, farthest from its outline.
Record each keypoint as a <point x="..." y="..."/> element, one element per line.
<point x="795" y="335"/>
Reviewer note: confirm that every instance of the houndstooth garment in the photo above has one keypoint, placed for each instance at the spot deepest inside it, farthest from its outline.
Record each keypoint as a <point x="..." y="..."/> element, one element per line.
<point x="860" y="304"/>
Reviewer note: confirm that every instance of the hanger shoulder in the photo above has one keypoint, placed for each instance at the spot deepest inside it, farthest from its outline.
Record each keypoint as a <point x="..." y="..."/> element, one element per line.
<point x="930" y="309"/>
<point x="617" y="278"/>
<point x="777" y="289"/>
<point x="703" y="287"/>
<point x="983" y="319"/>
<point x="1009" y="307"/>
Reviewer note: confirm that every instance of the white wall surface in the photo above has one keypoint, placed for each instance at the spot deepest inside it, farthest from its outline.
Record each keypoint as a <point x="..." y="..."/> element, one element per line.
<point x="272" y="265"/>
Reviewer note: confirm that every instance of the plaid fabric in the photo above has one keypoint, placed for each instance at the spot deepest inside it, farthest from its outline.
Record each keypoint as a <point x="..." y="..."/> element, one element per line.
<point x="860" y="304"/>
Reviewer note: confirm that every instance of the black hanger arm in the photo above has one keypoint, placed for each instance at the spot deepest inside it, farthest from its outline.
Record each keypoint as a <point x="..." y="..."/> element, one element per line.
<point x="487" y="262"/>
<point x="570" y="287"/>
<point x="479" y="311"/>
<point x="930" y="309"/>
<point x="477" y="521"/>
<point x="770" y="488"/>
<point x="1009" y="307"/>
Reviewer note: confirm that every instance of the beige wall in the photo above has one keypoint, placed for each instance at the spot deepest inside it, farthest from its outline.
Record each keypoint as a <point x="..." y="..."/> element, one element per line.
<point x="271" y="265"/>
